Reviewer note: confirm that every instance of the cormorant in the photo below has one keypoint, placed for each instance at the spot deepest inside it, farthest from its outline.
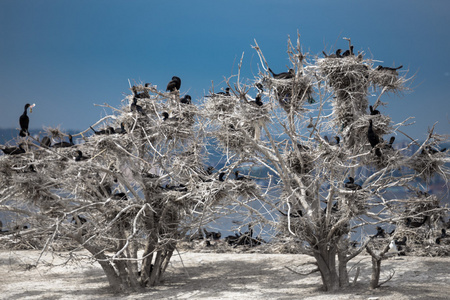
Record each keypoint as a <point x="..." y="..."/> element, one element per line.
<point x="24" y="121"/>
<point x="120" y="130"/>
<point x="46" y="142"/>
<point x="348" y="52"/>
<point x="186" y="99"/>
<point x="64" y="144"/>
<point x="297" y="214"/>
<point x="351" y="185"/>
<point x="257" y="101"/>
<point x="373" y="112"/>
<point x="381" y="68"/>
<point x="226" y="93"/>
<point x="221" y="175"/>
<point x="135" y="107"/>
<point x="401" y="242"/>
<point x="166" y="117"/>
<point x="380" y="233"/>
<point x="283" y="75"/>
<point x="414" y="224"/>
<point x="372" y="136"/>
<point x="389" y="145"/>
<point x="108" y="130"/>
<point x="337" y="55"/>
<point x="429" y="150"/>
<point x="241" y="178"/>
<point x="174" y="84"/>
<point x="13" y="150"/>
<point x="119" y="196"/>
<point x="80" y="156"/>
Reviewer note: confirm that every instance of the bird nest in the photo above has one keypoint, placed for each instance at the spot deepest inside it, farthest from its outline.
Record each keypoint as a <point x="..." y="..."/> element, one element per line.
<point x="387" y="79"/>
<point x="427" y="164"/>
<point x="348" y="76"/>
<point x="356" y="132"/>
<point x="297" y="165"/>
<point x="218" y="105"/>
<point x="354" y="201"/>
<point x="291" y="93"/>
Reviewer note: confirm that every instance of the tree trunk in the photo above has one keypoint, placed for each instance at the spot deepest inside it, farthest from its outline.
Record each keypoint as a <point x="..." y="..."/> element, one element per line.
<point x="376" y="269"/>
<point x="343" y="272"/>
<point x="326" y="261"/>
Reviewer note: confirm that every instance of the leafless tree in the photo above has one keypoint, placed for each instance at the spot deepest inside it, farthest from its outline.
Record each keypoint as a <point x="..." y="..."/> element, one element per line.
<point x="325" y="188"/>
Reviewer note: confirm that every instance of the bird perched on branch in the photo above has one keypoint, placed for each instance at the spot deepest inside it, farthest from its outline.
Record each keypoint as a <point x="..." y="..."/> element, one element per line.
<point x="380" y="233"/>
<point x="24" y="120"/>
<point x="414" y="224"/>
<point x="174" y="84"/>
<point x="166" y="117"/>
<point x="429" y="150"/>
<point x="351" y="185"/>
<point x="14" y="150"/>
<point x="373" y="112"/>
<point x="64" y="144"/>
<point x="283" y="75"/>
<point x="186" y="99"/>
<point x="373" y="138"/>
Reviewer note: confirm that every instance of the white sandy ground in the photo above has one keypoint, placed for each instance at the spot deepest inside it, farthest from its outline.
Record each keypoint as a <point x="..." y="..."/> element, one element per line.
<point x="222" y="276"/>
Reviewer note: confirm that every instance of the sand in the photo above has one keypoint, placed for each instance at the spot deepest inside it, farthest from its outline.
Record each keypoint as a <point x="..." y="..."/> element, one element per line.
<point x="221" y="276"/>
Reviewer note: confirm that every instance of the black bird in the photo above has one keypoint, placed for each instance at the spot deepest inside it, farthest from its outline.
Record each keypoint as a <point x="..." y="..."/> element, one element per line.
<point x="381" y="68"/>
<point x="240" y="178"/>
<point x="221" y="175"/>
<point x="372" y="136"/>
<point x="401" y="242"/>
<point x="13" y="150"/>
<point x="135" y="107"/>
<point x="142" y="95"/>
<point x="178" y="188"/>
<point x="414" y="224"/>
<point x="119" y="196"/>
<point x="351" y="185"/>
<point x="166" y="117"/>
<point x="108" y="130"/>
<point x="348" y="52"/>
<point x="80" y="218"/>
<point x="186" y="99"/>
<point x="80" y="156"/>
<point x="46" y="142"/>
<point x="120" y="130"/>
<point x="337" y="55"/>
<point x="258" y="101"/>
<point x="259" y="86"/>
<point x="64" y="144"/>
<point x="373" y="112"/>
<point x="337" y="140"/>
<point x="24" y="121"/>
<point x="174" y="84"/>
<point x="297" y="214"/>
<point x="429" y="150"/>
<point x="283" y="75"/>
<point x="380" y="233"/>
<point x="389" y="145"/>
<point x="226" y="93"/>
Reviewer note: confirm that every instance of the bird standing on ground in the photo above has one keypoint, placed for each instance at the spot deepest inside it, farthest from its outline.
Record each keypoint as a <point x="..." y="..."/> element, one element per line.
<point x="24" y="120"/>
<point x="174" y="84"/>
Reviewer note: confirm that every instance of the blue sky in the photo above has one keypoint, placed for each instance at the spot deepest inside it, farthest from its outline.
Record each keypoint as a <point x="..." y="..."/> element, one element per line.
<point x="67" y="55"/>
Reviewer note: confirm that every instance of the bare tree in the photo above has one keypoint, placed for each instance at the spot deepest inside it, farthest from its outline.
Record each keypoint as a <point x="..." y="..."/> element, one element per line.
<point x="127" y="193"/>
<point x="325" y="188"/>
